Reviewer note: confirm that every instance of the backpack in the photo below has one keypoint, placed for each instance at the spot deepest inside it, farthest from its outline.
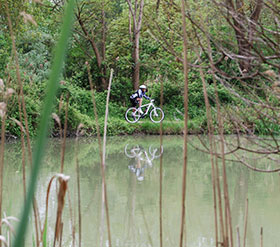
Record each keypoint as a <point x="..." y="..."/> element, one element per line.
<point x="134" y="95"/>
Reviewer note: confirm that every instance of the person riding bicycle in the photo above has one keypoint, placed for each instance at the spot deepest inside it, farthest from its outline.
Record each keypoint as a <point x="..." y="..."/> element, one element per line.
<point x="137" y="97"/>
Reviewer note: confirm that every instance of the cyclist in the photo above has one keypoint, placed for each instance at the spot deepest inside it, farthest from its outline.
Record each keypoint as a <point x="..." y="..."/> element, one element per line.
<point x="137" y="97"/>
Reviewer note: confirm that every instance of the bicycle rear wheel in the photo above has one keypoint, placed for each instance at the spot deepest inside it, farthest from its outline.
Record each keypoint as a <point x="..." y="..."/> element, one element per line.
<point x="132" y="115"/>
<point x="156" y="115"/>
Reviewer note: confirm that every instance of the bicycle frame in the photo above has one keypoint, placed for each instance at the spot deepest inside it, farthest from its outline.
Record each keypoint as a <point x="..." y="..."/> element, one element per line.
<point x="136" y="113"/>
<point x="147" y="106"/>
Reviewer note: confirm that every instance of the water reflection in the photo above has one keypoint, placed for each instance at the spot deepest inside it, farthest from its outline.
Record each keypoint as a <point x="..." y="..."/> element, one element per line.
<point x="134" y="210"/>
<point x="140" y="159"/>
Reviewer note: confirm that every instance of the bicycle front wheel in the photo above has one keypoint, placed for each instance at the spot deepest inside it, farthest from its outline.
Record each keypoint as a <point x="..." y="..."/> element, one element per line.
<point x="132" y="115"/>
<point x="157" y="115"/>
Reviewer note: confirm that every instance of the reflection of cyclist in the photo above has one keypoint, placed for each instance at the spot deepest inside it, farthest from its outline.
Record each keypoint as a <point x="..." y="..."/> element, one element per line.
<point x="140" y="159"/>
<point x="137" y="97"/>
<point x="136" y="167"/>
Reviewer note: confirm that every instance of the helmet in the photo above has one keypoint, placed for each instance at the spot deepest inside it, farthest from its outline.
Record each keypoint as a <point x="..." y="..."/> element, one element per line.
<point x="143" y="87"/>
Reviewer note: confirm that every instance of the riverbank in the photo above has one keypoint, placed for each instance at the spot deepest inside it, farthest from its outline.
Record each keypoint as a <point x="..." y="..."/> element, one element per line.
<point x="121" y="127"/>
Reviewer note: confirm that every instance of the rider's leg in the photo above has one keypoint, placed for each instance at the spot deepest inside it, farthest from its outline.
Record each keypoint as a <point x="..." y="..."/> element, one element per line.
<point x="140" y="103"/>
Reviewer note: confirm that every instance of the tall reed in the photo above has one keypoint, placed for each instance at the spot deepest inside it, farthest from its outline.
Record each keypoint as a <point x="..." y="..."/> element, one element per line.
<point x="186" y="105"/>
<point x="22" y="108"/>
<point x="228" y="241"/>
<point x="104" y="188"/>
<point x="78" y="133"/>
<point x="55" y="73"/>
<point x="245" y="223"/>
<point x="63" y="145"/>
<point x="261" y="237"/>
<point x="2" y="149"/>
<point x="211" y="145"/>
<point x="217" y="194"/>
<point x="106" y="115"/>
<point x="160" y="172"/>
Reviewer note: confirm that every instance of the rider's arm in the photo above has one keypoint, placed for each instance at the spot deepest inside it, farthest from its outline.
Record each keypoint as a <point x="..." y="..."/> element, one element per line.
<point x="146" y="97"/>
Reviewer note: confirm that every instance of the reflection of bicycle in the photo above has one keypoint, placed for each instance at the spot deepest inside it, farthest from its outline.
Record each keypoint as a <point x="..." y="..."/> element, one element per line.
<point x="141" y="159"/>
<point x="141" y="154"/>
<point x="132" y="115"/>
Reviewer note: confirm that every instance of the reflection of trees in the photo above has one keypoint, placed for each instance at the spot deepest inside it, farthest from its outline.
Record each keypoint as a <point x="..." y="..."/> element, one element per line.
<point x="140" y="159"/>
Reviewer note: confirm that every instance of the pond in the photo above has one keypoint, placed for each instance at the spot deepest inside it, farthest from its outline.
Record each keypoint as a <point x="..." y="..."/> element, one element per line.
<point x="133" y="182"/>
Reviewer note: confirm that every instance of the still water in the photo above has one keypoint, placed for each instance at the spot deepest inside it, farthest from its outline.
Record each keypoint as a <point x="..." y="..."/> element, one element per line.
<point x="132" y="178"/>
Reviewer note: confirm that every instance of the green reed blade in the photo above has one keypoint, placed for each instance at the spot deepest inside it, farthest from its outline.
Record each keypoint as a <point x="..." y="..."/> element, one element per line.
<point x="53" y="84"/>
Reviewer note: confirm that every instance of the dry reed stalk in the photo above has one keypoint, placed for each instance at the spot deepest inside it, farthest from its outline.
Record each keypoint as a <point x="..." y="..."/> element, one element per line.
<point x="185" y="63"/>
<point x="19" y="83"/>
<point x="211" y="138"/>
<point x="78" y="132"/>
<point x="72" y="220"/>
<point x="60" y="177"/>
<point x="78" y="182"/>
<point x="47" y="208"/>
<point x="221" y="218"/>
<point x="238" y="237"/>
<point x="3" y="115"/>
<point x="160" y="172"/>
<point x="63" y="185"/>
<point x="245" y="224"/>
<point x="57" y="119"/>
<point x="100" y="153"/>
<point x="261" y="237"/>
<point x="61" y="232"/>
<point x="228" y="223"/>
<point x="2" y="149"/>
<point x="35" y="209"/>
<point x="101" y="226"/>
<point x="22" y="132"/>
<point x="104" y="152"/>
<point x="106" y="116"/>
<point x="64" y="136"/>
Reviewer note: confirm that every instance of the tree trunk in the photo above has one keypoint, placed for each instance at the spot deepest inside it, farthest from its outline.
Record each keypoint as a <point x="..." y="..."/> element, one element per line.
<point x="137" y="22"/>
<point x="99" y="57"/>
<point x="136" y="68"/>
<point x="244" y="30"/>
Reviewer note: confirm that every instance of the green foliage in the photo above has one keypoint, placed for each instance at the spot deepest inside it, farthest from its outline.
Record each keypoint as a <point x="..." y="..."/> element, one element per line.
<point x="5" y="51"/>
<point x="35" y="53"/>
<point x="160" y="53"/>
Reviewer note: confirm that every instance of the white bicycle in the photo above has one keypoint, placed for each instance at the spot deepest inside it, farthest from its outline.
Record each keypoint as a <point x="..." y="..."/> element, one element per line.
<point x="133" y="114"/>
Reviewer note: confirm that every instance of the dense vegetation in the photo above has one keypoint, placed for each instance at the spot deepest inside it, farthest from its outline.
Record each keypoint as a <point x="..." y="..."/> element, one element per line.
<point x="104" y="36"/>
